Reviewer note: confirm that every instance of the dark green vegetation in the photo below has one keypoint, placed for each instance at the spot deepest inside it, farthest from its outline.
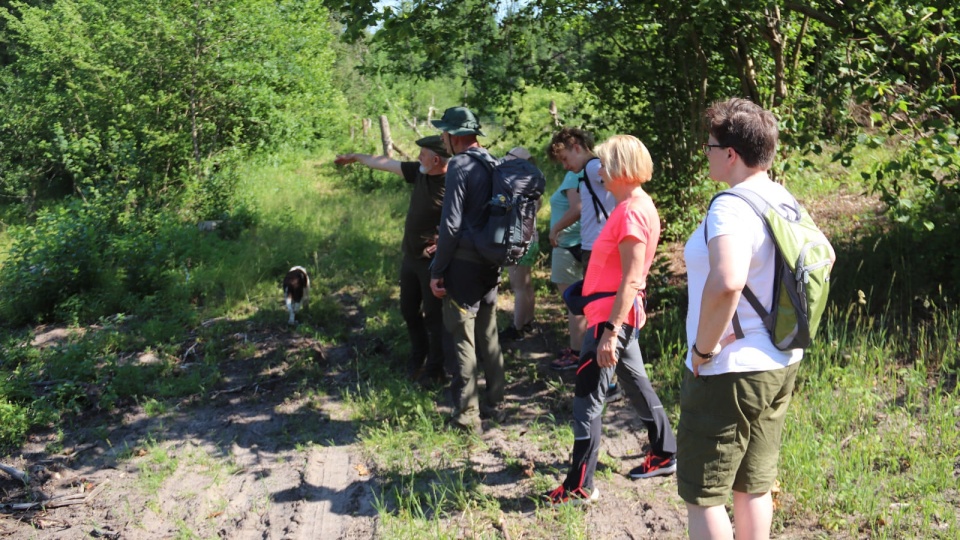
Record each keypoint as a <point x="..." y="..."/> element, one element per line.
<point x="124" y="124"/>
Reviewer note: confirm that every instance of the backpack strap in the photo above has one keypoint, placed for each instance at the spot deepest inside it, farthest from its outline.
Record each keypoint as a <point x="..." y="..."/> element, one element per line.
<point x="760" y="206"/>
<point x="598" y="207"/>
<point x="752" y="199"/>
<point x="479" y="157"/>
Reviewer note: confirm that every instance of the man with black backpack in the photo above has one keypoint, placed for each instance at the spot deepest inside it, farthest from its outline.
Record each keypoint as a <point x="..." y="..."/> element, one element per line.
<point x="465" y="280"/>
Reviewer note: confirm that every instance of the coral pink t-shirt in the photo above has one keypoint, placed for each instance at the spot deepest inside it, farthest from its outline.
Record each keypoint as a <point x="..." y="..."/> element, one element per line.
<point x="637" y="218"/>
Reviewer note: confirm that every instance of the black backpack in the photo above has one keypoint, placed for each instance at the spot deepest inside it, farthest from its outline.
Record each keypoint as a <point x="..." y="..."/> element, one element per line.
<point x="511" y="224"/>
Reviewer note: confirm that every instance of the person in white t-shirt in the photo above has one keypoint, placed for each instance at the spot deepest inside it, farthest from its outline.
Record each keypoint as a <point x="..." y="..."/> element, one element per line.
<point x="735" y="392"/>
<point x="573" y="148"/>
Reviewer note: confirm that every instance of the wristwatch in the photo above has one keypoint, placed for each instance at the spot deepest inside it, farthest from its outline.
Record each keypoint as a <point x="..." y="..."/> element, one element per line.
<point x="706" y="356"/>
<point x="607" y="325"/>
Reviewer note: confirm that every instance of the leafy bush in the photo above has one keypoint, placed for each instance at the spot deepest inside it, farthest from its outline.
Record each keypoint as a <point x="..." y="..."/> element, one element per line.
<point x="14" y="423"/>
<point x="133" y="99"/>
<point x="53" y="260"/>
<point x="80" y="261"/>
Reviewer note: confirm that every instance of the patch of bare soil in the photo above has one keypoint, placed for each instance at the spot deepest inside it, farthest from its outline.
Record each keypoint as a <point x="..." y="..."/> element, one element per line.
<point x="230" y="465"/>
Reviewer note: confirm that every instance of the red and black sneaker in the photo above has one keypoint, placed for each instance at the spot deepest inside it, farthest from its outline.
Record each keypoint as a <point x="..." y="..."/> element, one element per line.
<point x="575" y="497"/>
<point x="654" y="465"/>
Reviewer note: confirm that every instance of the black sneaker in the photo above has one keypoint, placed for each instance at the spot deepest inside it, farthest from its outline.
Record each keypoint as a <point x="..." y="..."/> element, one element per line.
<point x="429" y="379"/>
<point x="497" y="413"/>
<point x="654" y="465"/>
<point x="511" y="333"/>
<point x="469" y="429"/>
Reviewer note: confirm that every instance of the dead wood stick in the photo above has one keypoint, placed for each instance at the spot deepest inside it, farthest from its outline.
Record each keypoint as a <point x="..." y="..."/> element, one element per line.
<point x="243" y="387"/>
<point x="16" y="473"/>
<point x="58" y="502"/>
<point x="96" y="491"/>
<point x="501" y="524"/>
<point x="413" y="125"/>
<point x="400" y="150"/>
<point x="233" y="390"/>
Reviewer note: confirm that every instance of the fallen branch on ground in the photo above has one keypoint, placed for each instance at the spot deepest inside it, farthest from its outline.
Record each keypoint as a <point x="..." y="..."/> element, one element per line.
<point x="57" y="502"/>
<point x="16" y="473"/>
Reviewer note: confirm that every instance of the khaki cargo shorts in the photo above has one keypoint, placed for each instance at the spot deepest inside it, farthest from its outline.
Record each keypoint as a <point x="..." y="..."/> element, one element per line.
<point x="729" y="433"/>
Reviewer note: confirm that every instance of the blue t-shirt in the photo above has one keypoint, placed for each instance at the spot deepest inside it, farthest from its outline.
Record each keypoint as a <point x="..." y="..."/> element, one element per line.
<point x="559" y="204"/>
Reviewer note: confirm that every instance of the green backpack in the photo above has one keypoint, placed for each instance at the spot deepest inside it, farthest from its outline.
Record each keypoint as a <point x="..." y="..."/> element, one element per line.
<point x="802" y="272"/>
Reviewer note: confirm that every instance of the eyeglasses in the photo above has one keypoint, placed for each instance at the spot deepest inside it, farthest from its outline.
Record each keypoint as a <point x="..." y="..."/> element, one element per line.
<point x="707" y="147"/>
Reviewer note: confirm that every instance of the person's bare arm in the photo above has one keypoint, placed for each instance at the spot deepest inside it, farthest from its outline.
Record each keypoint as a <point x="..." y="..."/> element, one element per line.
<point x="729" y="266"/>
<point x="380" y="163"/>
<point x="571" y="216"/>
<point x="632" y="256"/>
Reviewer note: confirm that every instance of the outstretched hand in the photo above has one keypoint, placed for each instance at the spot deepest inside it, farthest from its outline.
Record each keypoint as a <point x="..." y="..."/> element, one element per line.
<point x="345" y="159"/>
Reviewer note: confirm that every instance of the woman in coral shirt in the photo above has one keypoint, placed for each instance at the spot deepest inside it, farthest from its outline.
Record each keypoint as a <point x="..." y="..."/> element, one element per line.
<point x="621" y="259"/>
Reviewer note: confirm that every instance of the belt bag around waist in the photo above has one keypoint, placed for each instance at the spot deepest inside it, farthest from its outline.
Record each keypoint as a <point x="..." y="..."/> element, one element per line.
<point x="575" y="300"/>
<point x="576" y="251"/>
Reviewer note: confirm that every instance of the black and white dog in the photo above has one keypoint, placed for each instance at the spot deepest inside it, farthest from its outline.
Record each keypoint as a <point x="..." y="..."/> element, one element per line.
<point x="296" y="290"/>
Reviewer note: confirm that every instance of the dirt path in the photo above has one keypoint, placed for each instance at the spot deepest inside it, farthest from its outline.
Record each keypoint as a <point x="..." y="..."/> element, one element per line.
<point x="238" y="464"/>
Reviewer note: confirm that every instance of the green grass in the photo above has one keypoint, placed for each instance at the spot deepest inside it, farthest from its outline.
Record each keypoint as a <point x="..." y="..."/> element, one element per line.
<point x="818" y="175"/>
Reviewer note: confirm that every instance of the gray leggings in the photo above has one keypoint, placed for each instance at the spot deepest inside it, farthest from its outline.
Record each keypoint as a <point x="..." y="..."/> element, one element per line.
<point x="591" y="390"/>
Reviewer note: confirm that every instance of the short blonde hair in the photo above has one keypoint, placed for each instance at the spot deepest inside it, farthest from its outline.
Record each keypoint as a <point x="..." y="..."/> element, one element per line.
<point x="626" y="159"/>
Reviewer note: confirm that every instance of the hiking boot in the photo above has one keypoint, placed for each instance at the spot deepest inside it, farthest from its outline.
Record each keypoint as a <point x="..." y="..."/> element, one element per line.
<point x="511" y="333"/>
<point x="429" y="379"/>
<point x="614" y="393"/>
<point x="474" y="429"/>
<point x="496" y="413"/>
<point x="654" y="465"/>
<point x="574" y="497"/>
<point x="568" y="359"/>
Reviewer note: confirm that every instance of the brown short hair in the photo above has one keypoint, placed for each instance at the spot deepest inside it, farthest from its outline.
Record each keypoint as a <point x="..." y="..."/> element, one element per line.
<point x="566" y="138"/>
<point x="746" y="127"/>
<point x="626" y="158"/>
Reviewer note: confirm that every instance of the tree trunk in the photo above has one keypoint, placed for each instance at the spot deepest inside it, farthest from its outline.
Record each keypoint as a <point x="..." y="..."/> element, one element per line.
<point x="366" y="127"/>
<point x="385" y="136"/>
<point x="748" y="74"/>
<point x="697" y="109"/>
<point x="795" y="70"/>
<point x="194" y="81"/>
<point x="771" y="32"/>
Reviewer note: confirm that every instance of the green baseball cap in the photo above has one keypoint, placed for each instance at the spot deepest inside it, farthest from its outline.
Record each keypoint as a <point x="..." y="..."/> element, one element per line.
<point x="458" y="121"/>
<point x="434" y="143"/>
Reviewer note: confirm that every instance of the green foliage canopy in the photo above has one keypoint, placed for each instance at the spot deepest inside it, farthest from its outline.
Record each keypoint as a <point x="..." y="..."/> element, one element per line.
<point x="137" y="99"/>
<point x="137" y="112"/>
<point x="837" y="75"/>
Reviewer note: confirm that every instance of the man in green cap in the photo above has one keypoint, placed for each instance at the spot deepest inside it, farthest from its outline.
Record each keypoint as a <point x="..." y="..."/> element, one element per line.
<point x="467" y="283"/>
<point x="421" y="310"/>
